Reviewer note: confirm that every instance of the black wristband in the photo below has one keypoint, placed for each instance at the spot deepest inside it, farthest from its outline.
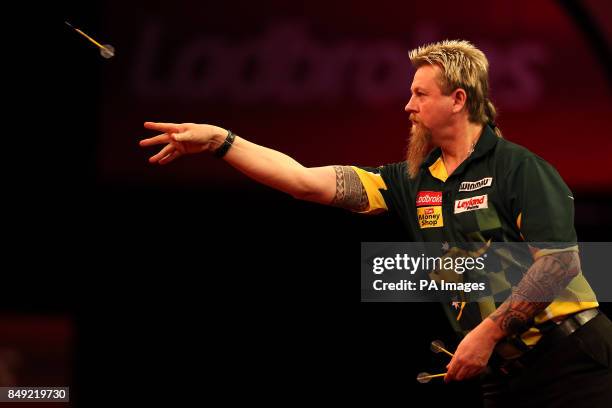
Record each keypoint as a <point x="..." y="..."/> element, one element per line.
<point x="227" y="143"/>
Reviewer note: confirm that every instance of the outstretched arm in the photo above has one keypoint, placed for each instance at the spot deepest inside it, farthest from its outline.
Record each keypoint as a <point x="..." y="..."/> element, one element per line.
<point x="331" y="185"/>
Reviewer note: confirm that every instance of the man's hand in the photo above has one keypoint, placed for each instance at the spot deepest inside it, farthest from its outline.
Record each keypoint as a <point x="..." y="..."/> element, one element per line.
<point x="474" y="351"/>
<point x="182" y="138"/>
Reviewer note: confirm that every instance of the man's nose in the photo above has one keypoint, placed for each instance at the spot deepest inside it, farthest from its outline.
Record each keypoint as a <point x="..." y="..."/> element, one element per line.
<point x="410" y="107"/>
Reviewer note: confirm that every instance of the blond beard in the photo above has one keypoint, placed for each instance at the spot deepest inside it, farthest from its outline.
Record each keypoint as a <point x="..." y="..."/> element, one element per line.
<point x="419" y="146"/>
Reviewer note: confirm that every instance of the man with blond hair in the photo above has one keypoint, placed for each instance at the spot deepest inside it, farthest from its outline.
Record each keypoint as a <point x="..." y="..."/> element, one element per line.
<point x="463" y="183"/>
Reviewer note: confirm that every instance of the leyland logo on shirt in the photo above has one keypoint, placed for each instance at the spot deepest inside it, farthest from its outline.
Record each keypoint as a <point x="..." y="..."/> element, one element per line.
<point x="471" y="204"/>
<point x="476" y="185"/>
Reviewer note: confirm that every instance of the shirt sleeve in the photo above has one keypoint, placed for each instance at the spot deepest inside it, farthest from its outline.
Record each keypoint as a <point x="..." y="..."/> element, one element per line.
<point x="542" y="204"/>
<point x="374" y="184"/>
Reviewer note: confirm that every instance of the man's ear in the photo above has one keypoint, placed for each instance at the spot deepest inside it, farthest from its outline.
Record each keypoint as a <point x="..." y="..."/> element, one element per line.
<point x="459" y="99"/>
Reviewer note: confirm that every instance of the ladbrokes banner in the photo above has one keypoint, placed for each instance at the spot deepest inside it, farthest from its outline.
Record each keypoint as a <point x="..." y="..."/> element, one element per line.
<point x="327" y="84"/>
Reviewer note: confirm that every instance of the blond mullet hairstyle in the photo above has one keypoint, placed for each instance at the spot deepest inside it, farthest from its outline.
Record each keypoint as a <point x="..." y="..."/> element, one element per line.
<point x="463" y="66"/>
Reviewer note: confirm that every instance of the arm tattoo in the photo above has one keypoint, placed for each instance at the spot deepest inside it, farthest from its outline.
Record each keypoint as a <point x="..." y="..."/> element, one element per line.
<point x="546" y="278"/>
<point x="350" y="193"/>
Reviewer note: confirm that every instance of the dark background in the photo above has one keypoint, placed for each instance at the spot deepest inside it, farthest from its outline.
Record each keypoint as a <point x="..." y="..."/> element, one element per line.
<point x="190" y="278"/>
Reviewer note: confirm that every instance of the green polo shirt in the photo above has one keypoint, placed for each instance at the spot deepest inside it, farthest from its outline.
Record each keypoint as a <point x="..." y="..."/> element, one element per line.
<point x="501" y="193"/>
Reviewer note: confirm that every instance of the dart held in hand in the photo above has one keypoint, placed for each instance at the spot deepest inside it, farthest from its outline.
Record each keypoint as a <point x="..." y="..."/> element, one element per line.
<point x="437" y="346"/>
<point x="425" y="377"/>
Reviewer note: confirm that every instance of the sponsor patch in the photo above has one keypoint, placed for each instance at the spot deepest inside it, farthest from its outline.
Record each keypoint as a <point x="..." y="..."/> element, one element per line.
<point x="476" y="185"/>
<point x="430" y="217"/>
<point x="471" y="204"/>
<point x="427" y="198"/>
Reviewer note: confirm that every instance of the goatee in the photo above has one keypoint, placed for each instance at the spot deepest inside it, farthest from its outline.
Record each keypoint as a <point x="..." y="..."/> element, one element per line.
<point x="419" y="146"/>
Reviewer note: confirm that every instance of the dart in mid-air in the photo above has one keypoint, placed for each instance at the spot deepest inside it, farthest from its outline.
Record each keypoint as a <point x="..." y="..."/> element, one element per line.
<point x="106" y="50"/>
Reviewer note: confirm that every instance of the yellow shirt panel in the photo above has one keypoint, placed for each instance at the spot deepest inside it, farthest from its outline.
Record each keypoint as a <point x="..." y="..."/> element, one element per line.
<point x="373" y="183"/>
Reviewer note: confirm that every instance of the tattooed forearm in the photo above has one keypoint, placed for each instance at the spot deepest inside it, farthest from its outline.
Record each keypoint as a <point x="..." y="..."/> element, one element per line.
<point x="350" y="193"/>
<point x="546" y="278"/>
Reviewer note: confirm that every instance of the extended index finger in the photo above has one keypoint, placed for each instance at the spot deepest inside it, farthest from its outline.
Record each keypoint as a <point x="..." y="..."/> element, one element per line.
<point x="162" y="127"/>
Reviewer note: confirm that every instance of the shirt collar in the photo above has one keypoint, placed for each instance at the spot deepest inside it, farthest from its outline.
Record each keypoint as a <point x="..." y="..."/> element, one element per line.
<point x="486" y="142"/>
